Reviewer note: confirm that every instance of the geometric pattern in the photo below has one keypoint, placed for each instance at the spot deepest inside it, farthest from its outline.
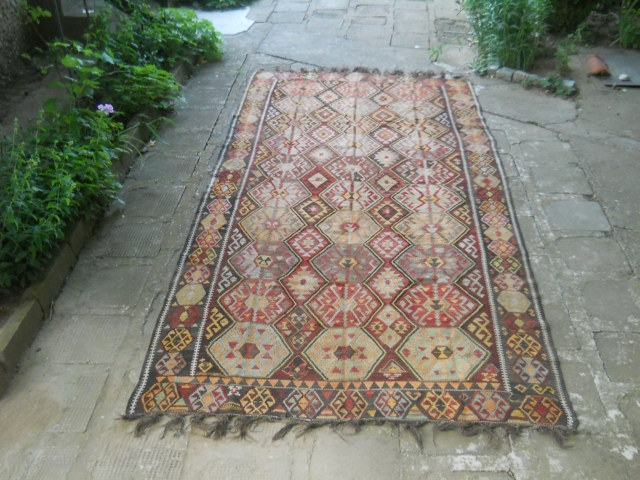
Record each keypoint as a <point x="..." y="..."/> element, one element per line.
<point x="356" y="257"/>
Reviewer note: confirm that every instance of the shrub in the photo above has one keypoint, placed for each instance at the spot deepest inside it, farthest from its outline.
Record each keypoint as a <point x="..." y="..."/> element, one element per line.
<point x="568" y="14"/>
<point x="215" y="4"/>
<point x="59" y="170"/>
<point x="629" y="25"/>
<point x="508" y="30"/>
<point x="160" y="38"/>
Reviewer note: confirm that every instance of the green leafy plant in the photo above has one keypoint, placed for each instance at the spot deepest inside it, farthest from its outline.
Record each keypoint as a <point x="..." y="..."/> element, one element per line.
<point x="555" y="84"/>
<point x="159" y="38"/>
<point x="57" y="171"/>
<point x="61" y="168"/>
<point x="215" y="4"/>
<point x="629" y="25"/>
<point x="435" y="52"/>
<point x="508" y="30"/>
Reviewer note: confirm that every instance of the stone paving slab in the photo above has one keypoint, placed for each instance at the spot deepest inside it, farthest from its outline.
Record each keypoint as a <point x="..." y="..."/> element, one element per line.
<point x="557" y="154"/>
<point x="576" y="215"/>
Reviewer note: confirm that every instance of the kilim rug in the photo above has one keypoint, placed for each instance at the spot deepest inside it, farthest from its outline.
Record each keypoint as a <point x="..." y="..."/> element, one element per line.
<point x="356" y="258"/>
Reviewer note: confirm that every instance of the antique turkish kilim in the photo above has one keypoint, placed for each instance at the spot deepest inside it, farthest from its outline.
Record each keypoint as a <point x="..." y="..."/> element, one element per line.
<point x="356" y="258"/>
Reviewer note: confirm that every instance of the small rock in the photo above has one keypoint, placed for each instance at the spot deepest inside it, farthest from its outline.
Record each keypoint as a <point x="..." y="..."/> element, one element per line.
<point x="568" y="84"/>
<point x="505" y="73"/>
<point x="519" y="76"/>
<point x="535" y="79"/>
<point x="493" y="68"/>
<point x="624" y="77"/>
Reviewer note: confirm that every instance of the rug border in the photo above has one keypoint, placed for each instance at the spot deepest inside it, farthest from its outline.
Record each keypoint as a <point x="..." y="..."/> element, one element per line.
<point x="572" y="420"/>
<point x="148" y="362"/>
<point x="563" y="394"/>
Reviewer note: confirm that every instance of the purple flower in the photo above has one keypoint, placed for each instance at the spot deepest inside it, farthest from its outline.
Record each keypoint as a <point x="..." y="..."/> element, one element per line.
<point x="106" y="108"/>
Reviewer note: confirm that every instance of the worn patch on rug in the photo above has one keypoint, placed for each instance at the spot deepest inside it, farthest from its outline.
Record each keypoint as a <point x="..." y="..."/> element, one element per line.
<point x="357" y="257"/>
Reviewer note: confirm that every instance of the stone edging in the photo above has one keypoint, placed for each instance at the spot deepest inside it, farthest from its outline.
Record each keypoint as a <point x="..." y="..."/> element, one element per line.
<point x="22" y="325"/>
<point x="522" y="77"/>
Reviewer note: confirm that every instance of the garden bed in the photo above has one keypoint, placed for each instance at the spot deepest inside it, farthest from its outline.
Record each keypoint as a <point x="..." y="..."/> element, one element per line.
<point x="59" y="176"/>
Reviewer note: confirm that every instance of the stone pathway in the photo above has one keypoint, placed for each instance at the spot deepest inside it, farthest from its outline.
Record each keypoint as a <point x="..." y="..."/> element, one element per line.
<point x="573" y="169"/>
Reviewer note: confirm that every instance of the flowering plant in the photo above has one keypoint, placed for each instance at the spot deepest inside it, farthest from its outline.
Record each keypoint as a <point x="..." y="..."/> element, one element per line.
<point x="106" y="108"/>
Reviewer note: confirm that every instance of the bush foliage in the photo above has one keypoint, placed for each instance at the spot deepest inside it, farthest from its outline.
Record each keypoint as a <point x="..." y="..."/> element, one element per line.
<point x="61" y="168"/>
<point x="508" y="30"/>
<point x="214" y="4"/>
<point x="568" y="14"/>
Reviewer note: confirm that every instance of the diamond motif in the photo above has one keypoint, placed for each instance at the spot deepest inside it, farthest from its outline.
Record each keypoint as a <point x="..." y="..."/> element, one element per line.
<point x="414" y="91"/>
<point x="321" y="155"/>
<point x="392" y="403"/>
<point x="436" y="305"/>
<point x="541" y="410"/>
<point x="356" y="89"/>
<point x="354" y="107"/>
<point x="249" y="350"/>
<point x="490" y="406"/>
<point x="348" y="404"/>
<point x="419" y="171"/>
<point x="354" y="145"/>
<point x="290" y="143"/>
<point x="362" y="125"/>
<point x="433" y="263"/>
<point x="298" y="106"/>
<point x="308" y="243"/>
<point x="303" y="283"/>
<point x="271" y="224"/>
<point x="412" y="109"/>
<point x="389" y="326"/>
<point x="286" y="167"/>
<point x="298" y="327"/>
<point x="265" y="260"/>
<point x="514" y="302"/>
<point x="349" y="195"/>
<point x="197" y="274"/>
<point x="530" y="370"/>
<point x="302" y="88"/>
<point x="346" y="305"/>
<point x="183" y="316"/>
<point x="427" y="198"/>
<point x="171" y="363"/>
<point x="353" y="366"/>
<point x="208" y="239"/>
<point x="278" y="193"/>
<point x="323" y="134"/>
<point x="346" y="263"/>
<point x="387" y="212"/>
<point x="419" y="147"/>
<point x="350" y="227"/>
<point x="509" y="281"/>
<point x="297" y="369"/>
<point x="257" y="401"/>
<point x="388" y="282"/>
<point x="256" y="300"/>
<point x="207" y="398"/>
<point x="314" y="209"/>
<point x="440" y="405"/>
<point x="190" y="294"/>
<point x="303" y="403"/>
<point x="388" y="244"/>
<point x="430" y="228"/>
<point x="353" y="168"/>
<point x="466" y="356"/>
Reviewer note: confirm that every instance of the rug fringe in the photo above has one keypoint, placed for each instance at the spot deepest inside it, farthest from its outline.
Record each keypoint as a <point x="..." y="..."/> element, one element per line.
<point x="220" y="426"/>
<point x="374" y="71"/>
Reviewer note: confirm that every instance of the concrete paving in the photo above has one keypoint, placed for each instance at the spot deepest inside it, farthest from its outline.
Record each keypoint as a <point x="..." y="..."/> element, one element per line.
<point x="573" y="170"/>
